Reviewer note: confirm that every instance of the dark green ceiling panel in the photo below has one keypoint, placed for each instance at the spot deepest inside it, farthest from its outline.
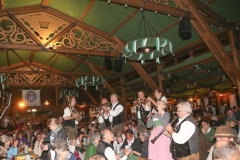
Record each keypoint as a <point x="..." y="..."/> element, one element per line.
<point x="42" y="57"/>
<point x="20" y="3"/>
<point x="24" y="54"/>
<point x="64" y="64"/>
<point x="73" y="8"/>
<point x="229" y="9"/>
<point x="107" y="17"/>
<point x="3" y="59"/>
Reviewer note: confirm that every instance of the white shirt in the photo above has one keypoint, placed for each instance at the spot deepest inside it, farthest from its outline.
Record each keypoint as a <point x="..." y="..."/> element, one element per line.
<point x="68" y="114"/>
<point x="100" y="118"/>
<point x="110" y="154"/>
<point x="116" y="112"/>
<point x="186" y="131"/>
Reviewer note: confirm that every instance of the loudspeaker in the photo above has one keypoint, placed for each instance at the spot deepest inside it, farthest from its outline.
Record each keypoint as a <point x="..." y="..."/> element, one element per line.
<point x="185" y="29"/>
<point x="108" y="63"/>
<point x="118" y="65"/>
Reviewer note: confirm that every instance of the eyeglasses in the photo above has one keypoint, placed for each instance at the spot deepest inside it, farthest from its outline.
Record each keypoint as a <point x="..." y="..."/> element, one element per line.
<point x="180" y="111"/>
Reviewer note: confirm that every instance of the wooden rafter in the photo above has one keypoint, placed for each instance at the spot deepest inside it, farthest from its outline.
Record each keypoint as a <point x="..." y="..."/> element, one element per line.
<point x="55" y="60"/>
<point x="90" y="96"/>
<point x="14" y="66"/>
<point x="31" y="56"/>
<point x="125" y="21"/>
<point x="58" y="50"/>
<point x="87" y="10"/>
<point x="22" y="60"/>
<point x="139" y="69"/>
<point x="78" y="64"/>
<point x="164" y="9"/>
<point x="46" y="61"/>
<point x="213" y="44"/>
<point x="208" y="11"/>
<point x="86" y="63"/>
<point x="60" y="34"/>
<point x="8" y="58"/>
<point x="107" y="85"/>
<point x="24" y="28"/>
<point x="2" y="4"/>
<point x="168" y="27"/>
<point x="210" y="2"/>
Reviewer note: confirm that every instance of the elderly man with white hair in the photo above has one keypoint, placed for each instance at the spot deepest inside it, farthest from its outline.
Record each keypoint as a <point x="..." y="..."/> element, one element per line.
<point x="184" y="143"/>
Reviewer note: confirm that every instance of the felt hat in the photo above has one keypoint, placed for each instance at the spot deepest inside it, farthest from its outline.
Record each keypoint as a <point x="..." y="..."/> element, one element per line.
<point x="224" y="131"/>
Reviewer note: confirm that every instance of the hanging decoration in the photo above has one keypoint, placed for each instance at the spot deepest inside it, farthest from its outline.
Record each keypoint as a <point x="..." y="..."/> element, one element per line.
<point x="68" y="92"/>
<point x="3" y="81"/>
<point x="89" y="80"/>
<point x="147" y="48"/>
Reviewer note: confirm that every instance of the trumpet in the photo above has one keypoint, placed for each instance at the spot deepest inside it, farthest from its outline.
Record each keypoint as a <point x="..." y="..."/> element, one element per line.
<point x="95" y="109"/>
<point x="142" y="101"/>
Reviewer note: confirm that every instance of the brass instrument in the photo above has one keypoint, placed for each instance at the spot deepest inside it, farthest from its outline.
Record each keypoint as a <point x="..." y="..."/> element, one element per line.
<point x="95" y="109"/>
<point x="142" y="101"/>
<point x="73" y="110"/>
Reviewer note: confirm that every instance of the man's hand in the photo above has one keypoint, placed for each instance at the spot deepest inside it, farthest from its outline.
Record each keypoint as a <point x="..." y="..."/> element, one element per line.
<point x="167" y="134"/>
<point x="137" y="153"/>
<point x="118" y="156"/>
<point x="45" y="148"/>
<point x="203" y="131"/>
<point x="128" y="151"/>
<point x="75" y="115"/>
<point x="169" y="128"/>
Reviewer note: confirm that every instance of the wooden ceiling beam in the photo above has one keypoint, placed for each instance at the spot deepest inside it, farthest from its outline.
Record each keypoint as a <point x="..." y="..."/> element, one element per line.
<point x="8" y="57"/>
<point x="58" y="36"/>
<point x="90" y="96"/>
<point x="125" y="21"/>
<point x="22" y="60"/>
<point x="58" y="50"/>
<point x="22" y="10"/>
<point x="31" y="56"/>
<point x="87" y="10"/>
<point x="213" y="44"/>
<point x="14" y="66"/>
<point x="204" y="8"/>
<point x="139" y="69"/>
<point x="168" y="27"/>
<point x="87" y="63"/>
<point x="45" y="72"/>
<point x="46" y="61"/>
<point x="79" y="24"/>
<point x="2" y="4"/>
<point x="78" y="64"/>
<point x="107" y="85"/>
<point x="24" y="29"/>
<point x="45" y="3"/>
<point x="164" y="9"/>
<point x="55" y="60"/>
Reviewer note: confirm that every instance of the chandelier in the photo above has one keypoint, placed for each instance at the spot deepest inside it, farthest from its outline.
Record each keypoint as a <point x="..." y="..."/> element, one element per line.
<point x="147" y="48"/>
<point x="89" y="80"/>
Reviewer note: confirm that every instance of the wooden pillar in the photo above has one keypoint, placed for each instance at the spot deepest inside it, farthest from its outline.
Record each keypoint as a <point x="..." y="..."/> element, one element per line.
<point x="124" y="99"/>
<point x="56" y="93"/>
<point x="235" y="53"/>
<point x="219" y="104"/>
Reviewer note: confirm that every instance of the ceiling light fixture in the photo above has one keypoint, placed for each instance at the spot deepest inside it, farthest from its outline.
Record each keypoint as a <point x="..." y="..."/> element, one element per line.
<point x="147" y="48"/>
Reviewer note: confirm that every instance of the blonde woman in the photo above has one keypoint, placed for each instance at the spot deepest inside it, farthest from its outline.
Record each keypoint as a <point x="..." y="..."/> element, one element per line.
<point x="160" y="149"/>
<point x="231" y="123"/>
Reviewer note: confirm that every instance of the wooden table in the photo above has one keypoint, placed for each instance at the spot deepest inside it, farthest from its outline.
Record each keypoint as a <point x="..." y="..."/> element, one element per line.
<point x="22" y="155"/>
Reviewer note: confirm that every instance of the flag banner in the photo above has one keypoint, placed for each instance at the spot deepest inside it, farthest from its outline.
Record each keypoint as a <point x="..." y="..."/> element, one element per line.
<point x="31" y="97"/>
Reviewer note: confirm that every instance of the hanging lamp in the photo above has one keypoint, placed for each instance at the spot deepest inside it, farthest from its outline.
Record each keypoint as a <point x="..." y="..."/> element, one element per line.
<point x="147" y="48"/>
<point x="89" y="80"/>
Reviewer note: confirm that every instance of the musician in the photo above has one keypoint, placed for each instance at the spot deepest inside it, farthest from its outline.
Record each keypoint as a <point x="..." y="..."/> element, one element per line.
<point x="116" y="117"/>
<point x="103" y="117"/>
<point x="184" y="143"/>
<point x="160" y="149"/>
<point x="71" y="123"/>
<point x="158" y="95"/>
<point x="141" y="110"/>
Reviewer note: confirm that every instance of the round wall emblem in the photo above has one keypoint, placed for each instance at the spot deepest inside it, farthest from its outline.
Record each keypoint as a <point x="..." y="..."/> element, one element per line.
<point x="31" y="96"/>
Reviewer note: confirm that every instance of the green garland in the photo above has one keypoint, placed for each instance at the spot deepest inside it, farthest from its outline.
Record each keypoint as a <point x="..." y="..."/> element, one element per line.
<point x="3" y="81"/>
<point x="68" y="92"/>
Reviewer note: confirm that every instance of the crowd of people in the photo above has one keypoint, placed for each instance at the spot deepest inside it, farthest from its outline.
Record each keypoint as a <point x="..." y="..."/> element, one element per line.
<point x="154" y="133"/>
